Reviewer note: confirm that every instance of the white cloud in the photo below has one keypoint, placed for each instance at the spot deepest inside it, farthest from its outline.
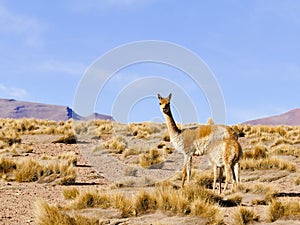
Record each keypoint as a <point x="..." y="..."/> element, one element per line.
<point x="22" y="26"/>
<point x="12" y="92"/>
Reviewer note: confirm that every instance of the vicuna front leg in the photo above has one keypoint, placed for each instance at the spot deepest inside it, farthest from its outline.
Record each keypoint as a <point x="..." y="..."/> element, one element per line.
<point x="186" y="169"/>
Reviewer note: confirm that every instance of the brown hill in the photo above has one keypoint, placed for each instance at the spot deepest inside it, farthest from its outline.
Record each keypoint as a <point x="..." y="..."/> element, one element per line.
<point x="10" y="108"/>
<point x="291" y="118"/>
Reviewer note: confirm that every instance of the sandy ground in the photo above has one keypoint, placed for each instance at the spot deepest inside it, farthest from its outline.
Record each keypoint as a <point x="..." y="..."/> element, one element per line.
<point x="100" y="169"/>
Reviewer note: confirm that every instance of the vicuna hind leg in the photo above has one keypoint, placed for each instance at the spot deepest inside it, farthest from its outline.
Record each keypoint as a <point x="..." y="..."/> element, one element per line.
<point x="220" y="178"/>
<point x="227" y="174"/>
<point x="236" y="170"/>
<point x="215" y="170"/>
<point x="183" y="175"/>
<point x="189" y="168"/>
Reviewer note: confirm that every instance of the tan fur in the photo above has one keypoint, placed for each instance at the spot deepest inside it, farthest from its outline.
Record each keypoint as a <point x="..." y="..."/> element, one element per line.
<point x="194" y="140"/>
<point x="225" y="154"/>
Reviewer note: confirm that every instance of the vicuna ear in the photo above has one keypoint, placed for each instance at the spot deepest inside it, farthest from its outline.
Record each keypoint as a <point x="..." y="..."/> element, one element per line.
<point x="169" y="97"/>
<point x="159" y="97"/>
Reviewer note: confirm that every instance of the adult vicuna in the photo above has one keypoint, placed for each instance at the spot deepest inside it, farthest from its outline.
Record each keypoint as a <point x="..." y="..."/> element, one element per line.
<point x="189" y="140"/>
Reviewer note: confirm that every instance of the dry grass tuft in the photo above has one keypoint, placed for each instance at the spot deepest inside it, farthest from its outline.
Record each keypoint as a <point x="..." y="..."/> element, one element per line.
<point x="28" y="170"/>
<point x="194" y="200"/>
<point x="259" y="152"/>
<point x="31" y="170"/>
<point x="236" y="199"/>
<point x="70" y="193"/>
<point x="49" y="215"/>
<point x="143" y="130"/>
<point x="116" y="144"/>
<point x="124" y="204"/>
<point x="285" y="149"/>
<point x="276" y="210"/>
<point x="204" y="178"/>
<point x="46" y="214"/>
<point x="244" y="216"/>
<point x="90" y="199"/>
<point x="297" y="180"/>
<point x="130" y="171"/>
<point x="203" y="209"/>
<point x="6" y="166"/>
<point x="150" y="158"/>
<point x="289" y="210"/>
<point x="70" y="157"/>
<point x="144" y="202"/>
<point x="267" y="163"/>
<point x="68" y="138"/>
<point x="131" y="151"/>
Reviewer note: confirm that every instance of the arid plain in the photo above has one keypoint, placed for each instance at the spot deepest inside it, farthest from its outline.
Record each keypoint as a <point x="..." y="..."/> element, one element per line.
<point x="130" y="174"/>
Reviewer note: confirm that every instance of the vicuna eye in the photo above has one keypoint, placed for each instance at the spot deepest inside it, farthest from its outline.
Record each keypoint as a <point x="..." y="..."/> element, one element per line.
<point x="159" y="103"/>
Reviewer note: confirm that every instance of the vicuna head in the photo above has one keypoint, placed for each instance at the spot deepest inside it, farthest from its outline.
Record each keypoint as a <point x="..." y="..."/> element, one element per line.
<point x="165" y="104"/>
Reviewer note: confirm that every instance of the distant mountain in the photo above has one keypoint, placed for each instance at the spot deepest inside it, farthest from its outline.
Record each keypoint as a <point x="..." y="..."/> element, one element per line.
<point x="10" y="108"/>
<point x="291" y="118"/>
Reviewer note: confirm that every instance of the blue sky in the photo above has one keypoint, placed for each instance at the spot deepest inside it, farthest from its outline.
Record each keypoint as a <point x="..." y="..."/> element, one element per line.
<point x="252" y="47"/>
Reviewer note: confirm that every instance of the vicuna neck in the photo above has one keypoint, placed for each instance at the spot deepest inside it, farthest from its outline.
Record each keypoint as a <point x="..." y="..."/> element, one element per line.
<point x="171" y="124"/>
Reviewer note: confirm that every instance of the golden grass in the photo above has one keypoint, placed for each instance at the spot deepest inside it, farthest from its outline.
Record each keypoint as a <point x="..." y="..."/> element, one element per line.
<point x="144" y="130"/>
<point x="116" y="144"/>
<point x="259" y="152"/>
<point x="193" y="200"/>
<point x="242" y="216"/>
<point x="130" y="171"/>
<point x="6" y="166"/>
<point x="46" y="214"/>
<point x="297" y="180"/>
<point x="203" y="178"/>
<point x="70" y="193"/>
<point x="36" y="126"/>
<point x="150" y="158"/>
<point x="28" y="170"/>
<point x="124" y="204"/>
<point x="31" y="170"/>
<point x="70" y="157"/>
<point x="267" y="163"/>
<point x="289" y="210"/>
<point x="90" y="199"/>
<point x="131" y="151"/>
<point x="286" y="149"/>
<point x="204" y="210"/>
<point x="68" y="138"/>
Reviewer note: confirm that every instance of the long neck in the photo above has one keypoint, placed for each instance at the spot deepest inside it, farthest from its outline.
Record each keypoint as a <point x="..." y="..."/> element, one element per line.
<point x="172" y="127"/>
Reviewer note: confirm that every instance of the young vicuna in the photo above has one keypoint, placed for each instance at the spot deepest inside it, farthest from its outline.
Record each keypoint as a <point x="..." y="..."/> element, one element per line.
<point x="189" y="140"/>
<point x="224" y="154"/>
